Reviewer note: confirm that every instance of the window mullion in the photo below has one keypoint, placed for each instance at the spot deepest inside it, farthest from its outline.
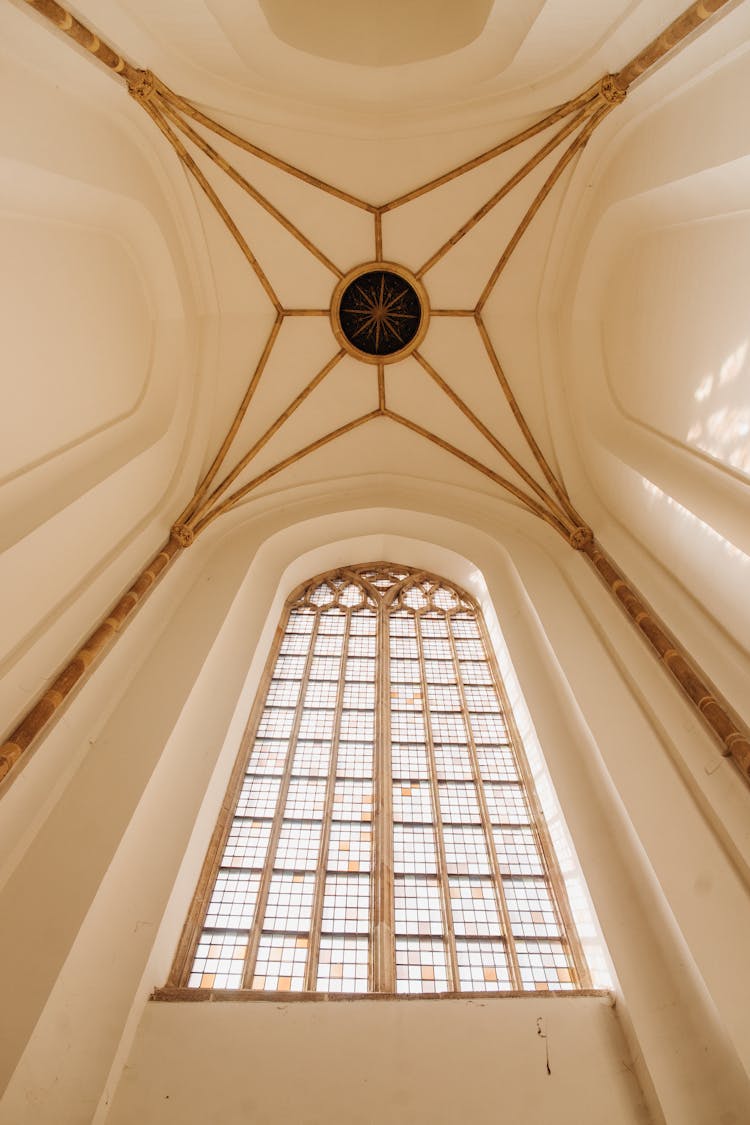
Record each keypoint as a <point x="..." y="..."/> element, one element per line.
<point x="442" y="862"/>
<point x="268" y="868"/>
<point x="313" y="953"/>
<point x="383" y="951"/>
<point x="497" y="879"/>
<point x="303" y="845"/>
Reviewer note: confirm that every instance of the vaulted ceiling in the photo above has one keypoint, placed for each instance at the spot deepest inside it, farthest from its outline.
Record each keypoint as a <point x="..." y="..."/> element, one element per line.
<point x="453" y="166"/>
<point x="322" y="149"/>
<point x="183" y="246"/>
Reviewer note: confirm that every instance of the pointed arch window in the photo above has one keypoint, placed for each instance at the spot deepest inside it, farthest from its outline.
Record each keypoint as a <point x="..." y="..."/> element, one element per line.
<point x="381" y="833"/>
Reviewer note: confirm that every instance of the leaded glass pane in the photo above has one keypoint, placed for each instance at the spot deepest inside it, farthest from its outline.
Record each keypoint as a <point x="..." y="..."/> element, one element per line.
<point x="219" y="960"/>
<point x="343" y="964"/>
<point x="418" y="905"/>
<point x="483" y="966"/>
<point x="382" y="794"/>
<point x="421" y="966"/>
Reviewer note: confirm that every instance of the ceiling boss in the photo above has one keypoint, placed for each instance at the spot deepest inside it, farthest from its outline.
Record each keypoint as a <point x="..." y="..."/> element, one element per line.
<point x="380" y="312"/>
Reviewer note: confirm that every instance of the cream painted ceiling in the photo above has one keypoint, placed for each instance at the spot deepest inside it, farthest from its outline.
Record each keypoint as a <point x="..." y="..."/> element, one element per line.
<point x="201" y="264"/>
<point x="389" y="33"/>
<point x="374" y="132"/>
<point x="242" y="50"/>
<point x="446" y="411"/>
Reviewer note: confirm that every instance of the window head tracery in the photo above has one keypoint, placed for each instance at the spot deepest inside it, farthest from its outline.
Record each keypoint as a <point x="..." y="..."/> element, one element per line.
<point x="382" y="834"/>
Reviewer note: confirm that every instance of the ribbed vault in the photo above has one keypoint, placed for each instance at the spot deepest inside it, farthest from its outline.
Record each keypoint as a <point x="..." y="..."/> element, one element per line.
<point x="452" y="395"/>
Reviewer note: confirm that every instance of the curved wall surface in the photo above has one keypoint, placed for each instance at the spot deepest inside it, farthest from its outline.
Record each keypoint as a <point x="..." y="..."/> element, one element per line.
<point x="146" y="786"/>
<point x="653" y="320"/>
<point x="101" y="351"/>
<point x="129" y="344"/>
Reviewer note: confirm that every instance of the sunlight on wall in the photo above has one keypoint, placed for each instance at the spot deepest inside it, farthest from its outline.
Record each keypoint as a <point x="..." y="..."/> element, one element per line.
<point x="580" y="905"/>
<point x="725" y="432"/>
<point x="658" y="495"/>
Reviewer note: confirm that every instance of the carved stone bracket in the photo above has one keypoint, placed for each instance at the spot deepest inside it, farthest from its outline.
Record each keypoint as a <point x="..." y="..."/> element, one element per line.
<point x="578" y="119"/>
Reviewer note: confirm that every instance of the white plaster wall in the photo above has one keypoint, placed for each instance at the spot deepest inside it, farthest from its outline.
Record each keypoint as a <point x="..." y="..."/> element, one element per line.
<point x="676" y="333"/>
<point x="81" y="349"/>
<point x="114" y="862"/>
<point x="646" y="342"/>
<point x="103" y="833"/>
<point x="101" y="356"/>
<point x="366" y="1062"/>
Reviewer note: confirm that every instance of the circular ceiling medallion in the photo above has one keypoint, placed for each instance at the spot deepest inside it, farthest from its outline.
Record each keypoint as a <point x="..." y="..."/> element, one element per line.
<point x="379" y="312"/>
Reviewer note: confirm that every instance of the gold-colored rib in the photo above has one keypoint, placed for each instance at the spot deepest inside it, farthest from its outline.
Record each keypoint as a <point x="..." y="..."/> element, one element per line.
<point x="503" y="482"/>
<point x="244" y="461"/>
<point x="191" y="166"/>
<point x="79" y="667"/>
<point x="84" y="37"/>
<point x="555" y="484"/>
<point x="236" y="497"/>
<point x="577" y="146"/>
<point x="734" y="739"/>
<point x="669" y="38"/>
<point x="236" y="423"/>
<point x="665" y="42"/>
<point x="305" y="312"/>
<point x="452" y="312"/>
<point x="525" y="170"/>
<point x="247" y="187"/>
<point x="486" y="433"/>
<point x="381" y="386"/>
<point x="554" y="116"/>
<point x="254" y="150"/>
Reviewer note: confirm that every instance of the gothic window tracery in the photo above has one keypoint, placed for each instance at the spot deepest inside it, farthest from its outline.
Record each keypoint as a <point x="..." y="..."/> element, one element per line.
<point x="381" y="833"/>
